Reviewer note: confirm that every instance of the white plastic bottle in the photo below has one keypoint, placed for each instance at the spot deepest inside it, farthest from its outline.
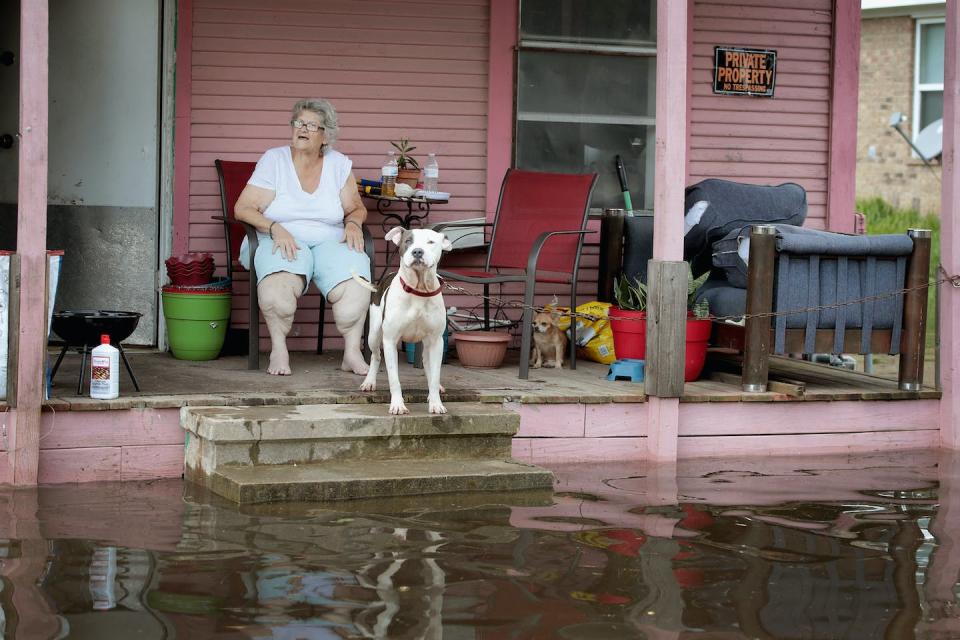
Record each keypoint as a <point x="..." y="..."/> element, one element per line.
<point x="388" y="176"/>
<point x="431" y="174"/>
<point x="105" y="370"/>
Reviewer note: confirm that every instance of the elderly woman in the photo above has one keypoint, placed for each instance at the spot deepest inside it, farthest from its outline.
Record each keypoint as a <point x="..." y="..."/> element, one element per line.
<point x="302" y="198"/>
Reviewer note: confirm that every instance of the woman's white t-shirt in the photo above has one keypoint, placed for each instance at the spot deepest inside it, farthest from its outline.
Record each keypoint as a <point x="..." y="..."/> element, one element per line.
<point x="309" y="217"/>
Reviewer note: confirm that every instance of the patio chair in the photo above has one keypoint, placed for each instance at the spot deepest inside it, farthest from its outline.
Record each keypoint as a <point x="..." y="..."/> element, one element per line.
<point x="536" y="237"/>
<point x="790" y="268"/>
<point x="233" y="178"/>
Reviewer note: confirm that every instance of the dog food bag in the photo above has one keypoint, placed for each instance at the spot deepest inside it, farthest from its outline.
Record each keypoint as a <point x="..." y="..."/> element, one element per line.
<point x="594" y="337"/>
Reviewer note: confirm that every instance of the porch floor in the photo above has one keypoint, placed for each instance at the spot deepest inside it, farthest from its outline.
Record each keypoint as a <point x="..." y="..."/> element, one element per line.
<point x="167" y="382"/>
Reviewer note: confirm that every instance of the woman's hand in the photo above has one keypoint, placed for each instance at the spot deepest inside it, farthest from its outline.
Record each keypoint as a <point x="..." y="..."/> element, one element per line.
<point x="284" y="242"/>
<point x="353" y="235"/>
<point x="354" y="213"/>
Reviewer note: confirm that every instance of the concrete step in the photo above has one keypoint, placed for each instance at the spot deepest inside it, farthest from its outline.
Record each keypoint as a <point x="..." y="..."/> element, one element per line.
<point x="349" y="451"/>
<point x="344" y="421"/>
<point x="304" y="434"/>
<point x="346" y="480"/>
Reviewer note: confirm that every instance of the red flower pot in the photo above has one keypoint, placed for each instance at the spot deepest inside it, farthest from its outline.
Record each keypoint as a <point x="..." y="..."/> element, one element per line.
<point x="629" y="333"/>
<point x="630" y="339"/>
<point x="698" y="338"/>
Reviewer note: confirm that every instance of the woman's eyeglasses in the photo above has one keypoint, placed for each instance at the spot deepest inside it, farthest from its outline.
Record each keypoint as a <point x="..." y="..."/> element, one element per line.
<point x="312" y="127"/>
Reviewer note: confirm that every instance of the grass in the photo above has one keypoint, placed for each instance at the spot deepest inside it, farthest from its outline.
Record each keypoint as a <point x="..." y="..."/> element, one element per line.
<point x="882" y="217"/>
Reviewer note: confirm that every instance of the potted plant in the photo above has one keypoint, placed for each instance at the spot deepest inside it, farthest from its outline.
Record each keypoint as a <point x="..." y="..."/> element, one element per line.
<point x="407" y="165"/>
<point x="628" y="319"/>
<point x="699" y="326"/>
<point x="629" y="326"/>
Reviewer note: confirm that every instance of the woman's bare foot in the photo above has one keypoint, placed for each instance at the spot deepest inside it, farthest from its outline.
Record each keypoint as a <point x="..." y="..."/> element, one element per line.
<point x="279" y="362"/>
<point x="353" y="361"/>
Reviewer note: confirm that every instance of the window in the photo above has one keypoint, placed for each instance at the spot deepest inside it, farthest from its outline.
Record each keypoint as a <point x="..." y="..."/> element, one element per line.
<point x="928" y="74"/>
<point x="586" y="81"/>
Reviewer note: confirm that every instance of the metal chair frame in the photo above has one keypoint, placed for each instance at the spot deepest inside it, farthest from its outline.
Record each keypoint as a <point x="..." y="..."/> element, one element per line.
<point x="528" y="276"/>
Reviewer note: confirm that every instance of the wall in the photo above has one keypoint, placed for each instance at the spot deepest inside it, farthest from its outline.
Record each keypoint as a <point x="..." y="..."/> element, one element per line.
<point x="6" y="461"/>
<point x="765" y="140"/>
<point x="85" y="446"/>
<point x="885" y="165"/>
<point x="415" y="70"/>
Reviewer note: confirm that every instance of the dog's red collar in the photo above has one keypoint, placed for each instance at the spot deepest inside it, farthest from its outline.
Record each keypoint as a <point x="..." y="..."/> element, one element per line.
<point x="422" y="294"/>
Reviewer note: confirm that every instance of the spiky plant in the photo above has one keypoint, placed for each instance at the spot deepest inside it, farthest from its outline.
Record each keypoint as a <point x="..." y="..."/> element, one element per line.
<point x="701" y="310"/>
<point x="405" y="160"/>
<point x="630" y="296"/>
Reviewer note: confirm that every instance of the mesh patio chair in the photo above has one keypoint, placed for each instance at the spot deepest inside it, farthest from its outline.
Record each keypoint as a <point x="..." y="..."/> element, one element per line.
<point x="233" y="178"/>
<point x="536" y="237"/>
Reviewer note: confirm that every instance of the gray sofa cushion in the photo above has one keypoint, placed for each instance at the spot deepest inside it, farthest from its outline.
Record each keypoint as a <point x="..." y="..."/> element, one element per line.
<point x="732" y="205"/>
<point x="725" y="300"/>
<point x="727" y="253"/>
<point x="815" y="269"/>
<point x="799" y="240"/>
<point x="727" y="257"/>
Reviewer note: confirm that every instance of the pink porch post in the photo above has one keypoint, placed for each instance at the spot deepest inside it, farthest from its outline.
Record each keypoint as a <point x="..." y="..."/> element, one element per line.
<point x="671" y="165"/>
<point x="500" y="80"/>
<point x="950" y="236"/>
<point x="31" y="240"/>
<point x="842" y="176"/>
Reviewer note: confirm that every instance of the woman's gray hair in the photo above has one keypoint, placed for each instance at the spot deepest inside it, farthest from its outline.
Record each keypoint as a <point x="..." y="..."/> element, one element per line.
<point x="328" y="115"/>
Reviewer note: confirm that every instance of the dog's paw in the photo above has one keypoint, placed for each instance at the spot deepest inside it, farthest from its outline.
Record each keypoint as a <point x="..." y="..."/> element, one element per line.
<point x="557" y="365"/>
<point x="368" y="385"/>
<point x="437" y="407"/>
<point x="397" y="407"/>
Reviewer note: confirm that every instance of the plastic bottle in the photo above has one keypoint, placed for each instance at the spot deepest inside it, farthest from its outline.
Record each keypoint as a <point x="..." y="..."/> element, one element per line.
<point x="105" y="370"/>
<point x="388" y="175"/>
<point x="431" y="174"/>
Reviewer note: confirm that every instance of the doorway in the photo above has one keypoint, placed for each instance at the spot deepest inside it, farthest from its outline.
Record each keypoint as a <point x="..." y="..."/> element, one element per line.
<point x="104" y="137"/>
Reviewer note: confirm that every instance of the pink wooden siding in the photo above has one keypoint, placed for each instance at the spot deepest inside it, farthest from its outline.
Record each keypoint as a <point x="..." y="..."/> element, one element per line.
<point x="579" y="433"/>
<point x="765" y="140"/>
<point x="415" y="70"/>
<point x="85" y="446"/>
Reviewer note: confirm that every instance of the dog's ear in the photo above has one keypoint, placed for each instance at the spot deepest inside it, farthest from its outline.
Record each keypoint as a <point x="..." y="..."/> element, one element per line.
<point x="445" y="243"/>
<point x="394" y="235"/>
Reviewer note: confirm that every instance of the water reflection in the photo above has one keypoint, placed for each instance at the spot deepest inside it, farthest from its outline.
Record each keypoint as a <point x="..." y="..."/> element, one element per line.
<point x="826" y="548"/>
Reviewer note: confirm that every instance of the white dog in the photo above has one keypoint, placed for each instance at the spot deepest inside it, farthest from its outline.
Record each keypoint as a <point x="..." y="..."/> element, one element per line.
<point x="409" y="306"/>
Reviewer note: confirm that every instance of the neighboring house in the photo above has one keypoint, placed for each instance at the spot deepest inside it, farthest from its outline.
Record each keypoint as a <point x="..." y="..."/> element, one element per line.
<point x="901" y="69"/>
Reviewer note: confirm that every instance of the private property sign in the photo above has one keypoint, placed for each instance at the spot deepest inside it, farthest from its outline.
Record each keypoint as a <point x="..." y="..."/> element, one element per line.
<point x="739" y="71"/>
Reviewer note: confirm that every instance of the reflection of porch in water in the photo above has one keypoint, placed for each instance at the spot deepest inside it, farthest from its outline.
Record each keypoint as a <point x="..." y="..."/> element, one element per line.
<point x="649" y="541"/>
<point x="565" y="415"/>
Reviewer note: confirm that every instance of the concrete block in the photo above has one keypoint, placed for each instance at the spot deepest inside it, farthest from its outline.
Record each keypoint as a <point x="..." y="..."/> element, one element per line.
<point x="371" y="479"/>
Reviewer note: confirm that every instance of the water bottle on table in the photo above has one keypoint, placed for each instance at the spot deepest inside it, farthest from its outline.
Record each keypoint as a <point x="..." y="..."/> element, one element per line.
<point x="431" y="174"/>
<point x="388" y="176"/>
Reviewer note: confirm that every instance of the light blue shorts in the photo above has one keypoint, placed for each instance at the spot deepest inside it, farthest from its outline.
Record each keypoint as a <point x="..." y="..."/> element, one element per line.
<point x="326" y="263"/>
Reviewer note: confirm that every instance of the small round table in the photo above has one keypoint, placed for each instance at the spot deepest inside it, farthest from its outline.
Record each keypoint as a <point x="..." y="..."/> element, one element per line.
<point x="384" y="204"/>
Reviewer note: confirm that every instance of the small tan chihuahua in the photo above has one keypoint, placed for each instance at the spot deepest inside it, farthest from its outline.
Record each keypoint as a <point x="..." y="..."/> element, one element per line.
<point x="548" y="339"/>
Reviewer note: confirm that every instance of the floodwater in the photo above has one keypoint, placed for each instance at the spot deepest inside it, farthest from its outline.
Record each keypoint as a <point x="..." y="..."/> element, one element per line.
<point x="846" y="547"/>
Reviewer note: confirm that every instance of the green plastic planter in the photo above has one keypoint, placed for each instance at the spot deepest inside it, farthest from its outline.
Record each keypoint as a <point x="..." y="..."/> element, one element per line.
<point x="196" y="323"/>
